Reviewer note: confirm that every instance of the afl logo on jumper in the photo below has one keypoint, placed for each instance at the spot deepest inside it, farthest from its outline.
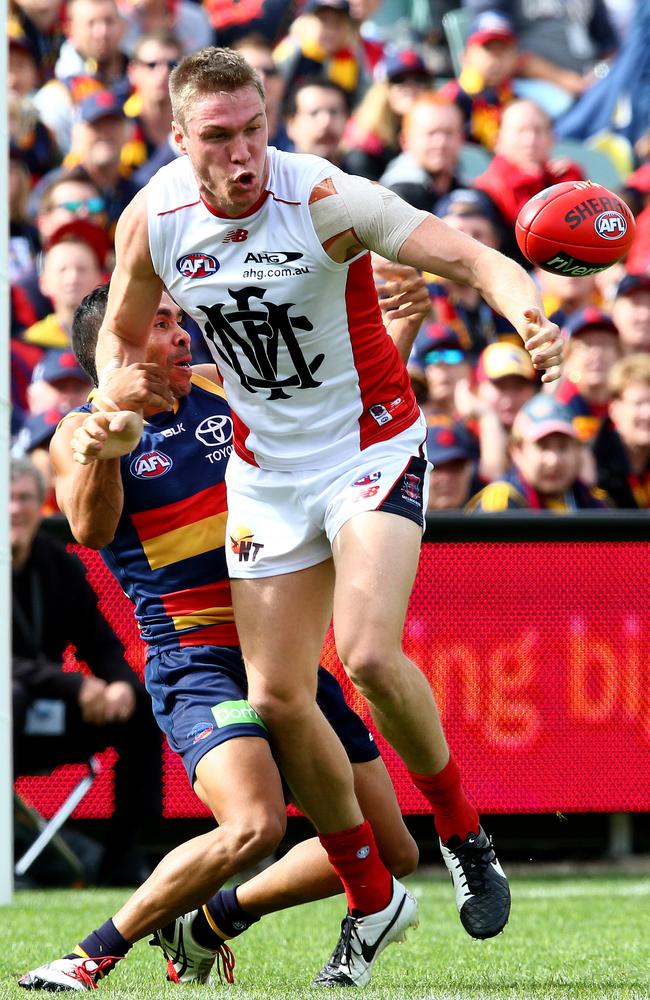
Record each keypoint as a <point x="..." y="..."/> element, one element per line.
<point x="197" y="265"/>
<point x="214" y="431"/>
<point x="150" y="465"/>
<point x="610" y="225"/>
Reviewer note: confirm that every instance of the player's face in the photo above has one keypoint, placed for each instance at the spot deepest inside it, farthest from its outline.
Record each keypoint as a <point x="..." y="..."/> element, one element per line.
<point x="169" y="346"/>
<point x="225" y="138"/>
<point x="550" y="465"/>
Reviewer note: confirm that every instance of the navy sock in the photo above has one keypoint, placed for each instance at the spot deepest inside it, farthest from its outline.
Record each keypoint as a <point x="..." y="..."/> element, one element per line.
<point x="105" y="942"/>
<point x="227" y="915"/>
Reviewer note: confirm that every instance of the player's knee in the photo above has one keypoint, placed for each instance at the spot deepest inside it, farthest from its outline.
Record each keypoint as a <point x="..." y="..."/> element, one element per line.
<point x="373" y="673"/>
<point x="281" y="708"/>
<point x="253" y="836"/>
<point x="401" y="857"/>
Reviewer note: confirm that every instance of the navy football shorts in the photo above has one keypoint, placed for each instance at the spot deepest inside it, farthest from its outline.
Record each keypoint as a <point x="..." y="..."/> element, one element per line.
<point x="199" y="701"/>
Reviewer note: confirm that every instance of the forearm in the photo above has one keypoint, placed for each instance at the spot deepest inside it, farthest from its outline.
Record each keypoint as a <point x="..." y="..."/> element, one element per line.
<point x="504" y="285"/>
<point x="94" y="503"/>
<point x="536" y="67"/>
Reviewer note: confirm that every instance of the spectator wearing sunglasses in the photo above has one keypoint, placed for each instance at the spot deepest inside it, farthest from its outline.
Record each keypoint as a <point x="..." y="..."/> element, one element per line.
<point x="149" y="107"/>
<point x="67" y="195"/>
<point x="440" y="360"/>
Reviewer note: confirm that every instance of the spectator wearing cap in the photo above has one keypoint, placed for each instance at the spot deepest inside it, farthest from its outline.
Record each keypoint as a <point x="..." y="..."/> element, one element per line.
<point x="452" y="480"/>
<point x="324" y="41"/>
<point x="33" y="443"/>
<point x="622" y="446"/>
<point x="316" y="116"/>
<point x="546" y="461"/>
<point x="593" y="346"/>
<point x="560" y="45"/>
<point x="472" y="213"/>
<point x="522" y="164"/>
<point x="23" y="236"/>
<point x="631" y="312"/>
<point x="504" y="381"/>
<point x="372" y="138"/>
<point x="23" y="76"/>
<point x="100" y="133"/>
<point x="432" y="136"/>
<point x="439" y="358"/>
<point x="72" y="266"/>
<point x="485" y="84"/>
<point x="91" y="59"/>
<point x="58" y="380"/>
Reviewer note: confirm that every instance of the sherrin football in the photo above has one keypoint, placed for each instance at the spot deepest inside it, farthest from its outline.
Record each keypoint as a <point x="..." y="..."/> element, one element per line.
<point x="575" y="228"/>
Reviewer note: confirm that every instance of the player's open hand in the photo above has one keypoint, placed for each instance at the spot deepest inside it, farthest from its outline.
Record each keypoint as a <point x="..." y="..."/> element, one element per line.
<point x="106" y="435"/>
<point x="543" y="341"/>
<point x="139" y="386"/>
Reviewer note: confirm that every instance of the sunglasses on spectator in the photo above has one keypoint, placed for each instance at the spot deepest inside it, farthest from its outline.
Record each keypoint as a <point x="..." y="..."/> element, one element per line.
<point x="444" y="357"/>
<point x="155" y="63"/>
<point x="92" y="205"/>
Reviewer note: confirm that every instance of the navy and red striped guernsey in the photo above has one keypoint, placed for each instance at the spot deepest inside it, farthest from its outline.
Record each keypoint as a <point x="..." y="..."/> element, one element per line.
<point x="168" y="551"/>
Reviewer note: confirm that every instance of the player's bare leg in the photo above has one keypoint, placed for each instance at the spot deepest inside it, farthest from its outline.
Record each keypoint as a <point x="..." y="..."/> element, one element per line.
<point x="239" y="782"/>
<point x="370" y="604"/>
<point x="282" y="622"/>
<point x="304" y="874"/>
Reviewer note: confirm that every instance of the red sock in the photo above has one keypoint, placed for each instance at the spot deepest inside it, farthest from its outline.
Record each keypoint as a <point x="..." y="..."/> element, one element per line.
<point x="453" y="813"/>
<point x="354" y="857"/>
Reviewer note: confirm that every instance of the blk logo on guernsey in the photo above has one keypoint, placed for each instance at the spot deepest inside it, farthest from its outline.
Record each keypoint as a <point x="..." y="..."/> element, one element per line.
<point x="150" y="465"/>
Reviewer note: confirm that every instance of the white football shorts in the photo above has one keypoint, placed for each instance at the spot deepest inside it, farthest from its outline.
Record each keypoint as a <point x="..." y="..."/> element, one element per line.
<point x="281" y="522"/>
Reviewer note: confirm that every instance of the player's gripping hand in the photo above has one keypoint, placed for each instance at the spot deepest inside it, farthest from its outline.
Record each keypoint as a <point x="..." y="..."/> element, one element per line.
<point x="543" y="341"/>
<point x="106" y="435"/>
<point x="401" y="290"/>
<point x="140" y="386"/>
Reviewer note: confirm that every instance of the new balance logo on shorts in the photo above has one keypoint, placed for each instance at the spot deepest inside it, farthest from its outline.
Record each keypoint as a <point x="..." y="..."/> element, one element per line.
<point x="232" y="713"/>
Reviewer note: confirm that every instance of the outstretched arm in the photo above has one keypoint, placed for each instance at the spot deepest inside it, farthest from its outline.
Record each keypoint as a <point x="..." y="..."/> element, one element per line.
<point x="351" y="214"/>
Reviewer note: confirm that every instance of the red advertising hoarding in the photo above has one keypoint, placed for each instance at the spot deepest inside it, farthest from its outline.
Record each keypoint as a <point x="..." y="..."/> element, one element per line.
<point x="538" y="654"/>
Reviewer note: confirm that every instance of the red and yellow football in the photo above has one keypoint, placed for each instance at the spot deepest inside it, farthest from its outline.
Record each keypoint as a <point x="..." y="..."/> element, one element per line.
<point x="575" y="228"/>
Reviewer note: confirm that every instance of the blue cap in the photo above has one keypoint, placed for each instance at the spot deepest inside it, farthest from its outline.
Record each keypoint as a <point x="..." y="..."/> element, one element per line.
<point x="490" y="26"/>
<point x="543" y="415"/>
<point x="100" y="104"/>
<point x="467" y="201"/>
<point x="449" y="442"/>
<point x="633" y="283"/>
<point x="58" y="364"/>
<point x="38" y="429"/>
<point x="404" y="62"/>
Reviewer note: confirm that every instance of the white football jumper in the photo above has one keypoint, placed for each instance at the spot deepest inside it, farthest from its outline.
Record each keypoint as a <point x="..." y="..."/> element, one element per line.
<point x="309" y="370"/>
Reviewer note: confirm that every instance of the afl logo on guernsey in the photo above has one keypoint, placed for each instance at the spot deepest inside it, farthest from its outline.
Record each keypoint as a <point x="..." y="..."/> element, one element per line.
<point x="197" y="265"/>
<point x="610" y="225"/>
<point x="150" y="465"/>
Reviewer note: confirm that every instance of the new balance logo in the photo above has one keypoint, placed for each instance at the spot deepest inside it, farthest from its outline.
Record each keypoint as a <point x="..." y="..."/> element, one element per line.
<point x="235" y="236"/>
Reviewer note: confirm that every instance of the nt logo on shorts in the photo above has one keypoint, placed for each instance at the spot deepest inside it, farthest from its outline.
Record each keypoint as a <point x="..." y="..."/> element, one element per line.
<point x="243" y="546"/>
<point x="247" y="340"/>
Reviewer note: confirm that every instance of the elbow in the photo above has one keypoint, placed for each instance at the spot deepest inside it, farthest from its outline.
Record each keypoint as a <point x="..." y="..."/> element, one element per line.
<point x="90" y="535"/>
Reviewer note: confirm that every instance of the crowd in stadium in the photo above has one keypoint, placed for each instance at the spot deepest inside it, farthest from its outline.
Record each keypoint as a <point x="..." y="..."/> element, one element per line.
<point x="468" y="121"/>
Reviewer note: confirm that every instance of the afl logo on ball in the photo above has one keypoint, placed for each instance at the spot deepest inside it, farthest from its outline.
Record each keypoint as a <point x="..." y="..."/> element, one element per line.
<point x="197" y="265"/>
<point x="610" y="225"/>
<point x="150" y="465"/>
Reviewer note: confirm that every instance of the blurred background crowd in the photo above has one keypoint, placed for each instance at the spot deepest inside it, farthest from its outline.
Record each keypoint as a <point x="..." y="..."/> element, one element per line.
<point x="466" y="111"/>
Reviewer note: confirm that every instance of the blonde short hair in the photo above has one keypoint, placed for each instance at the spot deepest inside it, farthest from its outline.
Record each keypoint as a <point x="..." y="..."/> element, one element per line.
<point x="209" y="71"/>
<point x="631" y="368"/>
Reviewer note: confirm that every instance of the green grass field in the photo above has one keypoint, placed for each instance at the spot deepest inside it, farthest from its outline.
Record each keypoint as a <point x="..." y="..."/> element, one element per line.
<point x="568" y="937"/>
